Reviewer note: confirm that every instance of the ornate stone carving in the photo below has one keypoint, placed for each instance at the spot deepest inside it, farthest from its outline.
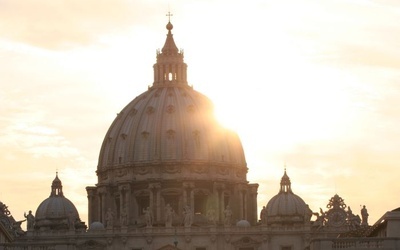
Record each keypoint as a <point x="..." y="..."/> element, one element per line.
<point x="246" y="242"/>
<point x="170" y="109"/>
<point x="190" y="109"/>
<point x="336" y="202"/>
<point x="171" y="169"/>
<point x="142" y="170"/>
<point x="124" y="240"/>
<point x="200" y="169"/>
<point x="213" y="238"/>
<point x="92" y="244"/>
<point x="150" y="110"/>
<point x="170" y="134"/>
<point x="145" y="134"/>
<point x="103" y="175"/>
<point x="122" y="172"/>
<point x="188" y="185"/>
<point x="133" y="112"/>
<point x="196" y="136"/>
<point x="219" y="186"/>
<point x="336" y="216"/>
<point x="156" y="185"/>
<point x="223" y="170"/>
<point x="123" y="188"/>
<point x="241" y="173"/>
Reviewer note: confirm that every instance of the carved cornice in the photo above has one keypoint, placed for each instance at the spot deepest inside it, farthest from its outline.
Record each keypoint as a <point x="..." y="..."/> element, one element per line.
<point x="188" y="184"/>
<point x="142" y="170"/>
<point x="199" y="169"/>
<point x="156" y="185"/>
<point x="171" y="169"/>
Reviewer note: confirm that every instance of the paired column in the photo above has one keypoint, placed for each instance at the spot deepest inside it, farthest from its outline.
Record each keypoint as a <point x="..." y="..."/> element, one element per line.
<point x="91" y="200"/>
<point x="188" y="189"/>
<point x="124" y="198"/>
<point x="155" y="199"/>
<point x="102" y="192"/>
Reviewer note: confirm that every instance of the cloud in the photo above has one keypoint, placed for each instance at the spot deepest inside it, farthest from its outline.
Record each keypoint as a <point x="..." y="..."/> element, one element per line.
<point x="62" y="24"/>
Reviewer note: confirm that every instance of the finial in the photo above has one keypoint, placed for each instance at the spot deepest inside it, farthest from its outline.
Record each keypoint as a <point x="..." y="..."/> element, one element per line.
<point x="169" y="25"/>
<point x="169" y="15"/>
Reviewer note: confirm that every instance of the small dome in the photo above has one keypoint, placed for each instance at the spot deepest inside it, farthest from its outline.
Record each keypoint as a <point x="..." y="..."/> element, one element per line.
<point x="96" y="226"/>
<point x="56" y="212"/>
<point x="285" y="207"/>
<point x="243" y="223"/>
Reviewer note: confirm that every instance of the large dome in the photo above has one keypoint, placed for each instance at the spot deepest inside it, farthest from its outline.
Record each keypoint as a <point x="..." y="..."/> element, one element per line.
<point x="285" y="207"/>
<point x="165" y="154"/>
<point x="170" y="123"/>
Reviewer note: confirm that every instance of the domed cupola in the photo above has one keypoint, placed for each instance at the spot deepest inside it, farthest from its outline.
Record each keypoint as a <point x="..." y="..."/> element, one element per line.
<point x="285" y="207"/>
<point x="166" y="148"/>
<point x="171" y="124"/>
<point x="57" y="212"/>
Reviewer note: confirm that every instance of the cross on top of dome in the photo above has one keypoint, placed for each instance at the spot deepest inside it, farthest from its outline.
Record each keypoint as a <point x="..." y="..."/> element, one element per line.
<point x="169" y="25"/>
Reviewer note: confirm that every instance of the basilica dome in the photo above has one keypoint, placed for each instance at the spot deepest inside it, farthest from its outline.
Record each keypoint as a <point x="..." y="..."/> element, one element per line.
<point x="165" y="151"/>
<point x="285" y="207"/>
<point x="170" y="124"/>
<point x="57" y="212"/>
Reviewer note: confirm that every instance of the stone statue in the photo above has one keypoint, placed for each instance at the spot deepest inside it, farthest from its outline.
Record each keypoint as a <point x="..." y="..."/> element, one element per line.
<point x="263" y="215"/>
<point x="308" y="214"/>
<point x="109" y="218"/>
<point x="4" y="209"/>
<point x="168" y="215"/>
<point x="188" y="216"/>
<point x="17" y="228"/>
<point x="124" y="217"/>
<point x="211" y="216"/>
<point x="352" y="220"/>
<point x="30" y="220"/>
<point x="321" y="218"/>
<point x="228" y="216"/>
<point x="364" y="216"/>
<point x="149" y="217"/>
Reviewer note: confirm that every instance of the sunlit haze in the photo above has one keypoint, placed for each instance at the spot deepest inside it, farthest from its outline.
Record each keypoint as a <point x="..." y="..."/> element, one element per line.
<point x="310" y="85"/>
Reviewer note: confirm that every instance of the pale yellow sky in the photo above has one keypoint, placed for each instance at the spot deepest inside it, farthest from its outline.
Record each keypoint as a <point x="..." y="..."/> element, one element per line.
<point x="310" y="84"/>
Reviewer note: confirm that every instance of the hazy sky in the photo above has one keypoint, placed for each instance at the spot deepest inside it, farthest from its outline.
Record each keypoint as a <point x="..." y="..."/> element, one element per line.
<point x="311" y="84"/>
